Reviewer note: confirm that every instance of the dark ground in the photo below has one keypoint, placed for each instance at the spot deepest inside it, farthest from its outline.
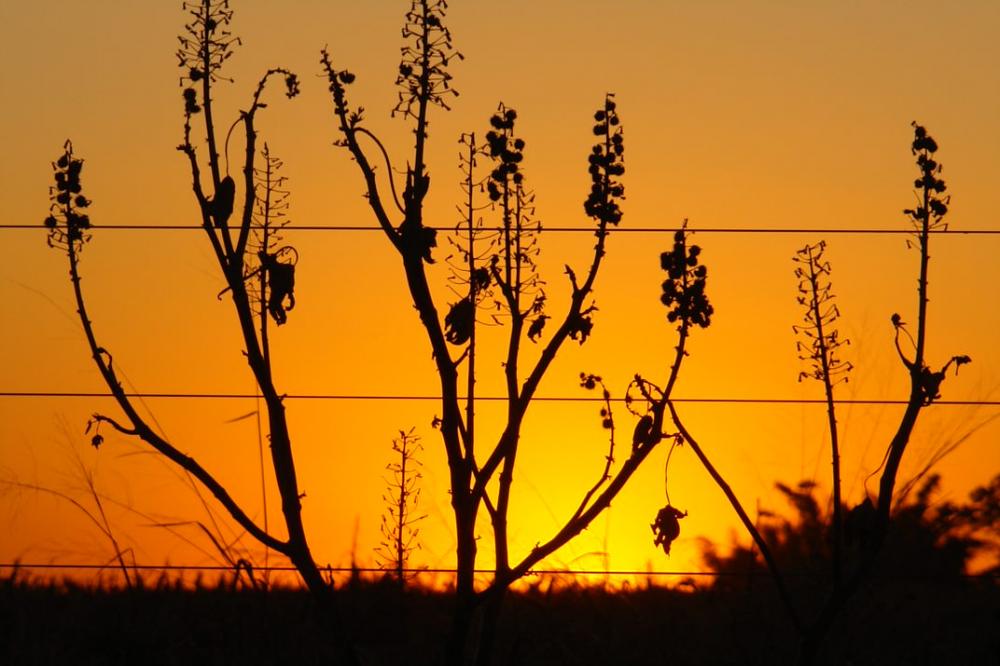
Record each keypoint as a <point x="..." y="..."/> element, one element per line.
<point x="895" y="622"/>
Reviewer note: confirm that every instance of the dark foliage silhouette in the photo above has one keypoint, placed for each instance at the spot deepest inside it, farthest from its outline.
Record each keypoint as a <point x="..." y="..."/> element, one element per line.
<point x="921" y="620"/>
<point x="916" y="603"/>
<point x="930" y="539"/>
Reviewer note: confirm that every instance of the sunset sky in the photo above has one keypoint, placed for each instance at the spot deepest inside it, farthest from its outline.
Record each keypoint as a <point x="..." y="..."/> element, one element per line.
<point x="775" y="115"/>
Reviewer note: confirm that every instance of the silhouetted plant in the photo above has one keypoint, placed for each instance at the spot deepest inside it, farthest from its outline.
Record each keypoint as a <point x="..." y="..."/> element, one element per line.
<point x="205" y="46"/>
<point x="925" y="385"/>
<point x="504" y="264"/>
<point x="867" y="524"/>
<point x="684" y="295"/>
<point x="265" y="250"/>
<point x="399" y="522"/>
<point x="819" y="347"/>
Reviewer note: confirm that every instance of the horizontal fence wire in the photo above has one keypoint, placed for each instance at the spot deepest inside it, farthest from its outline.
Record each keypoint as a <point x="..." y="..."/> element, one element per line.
<point x="567" y="229"/>
<point x="371" y="397"/>
<point x="487" y="398"/>
<point x="431" y="570"/>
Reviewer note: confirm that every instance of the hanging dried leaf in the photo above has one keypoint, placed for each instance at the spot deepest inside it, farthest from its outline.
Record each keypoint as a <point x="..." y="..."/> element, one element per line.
<point x="666" y="527"/>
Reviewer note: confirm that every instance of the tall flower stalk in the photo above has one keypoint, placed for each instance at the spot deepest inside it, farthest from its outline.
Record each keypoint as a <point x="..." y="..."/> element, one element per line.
<point x="818" y="346"/>
<point x="470" y="278"/>
<point x="228" y="221"/>
<point x="399" y="522"/>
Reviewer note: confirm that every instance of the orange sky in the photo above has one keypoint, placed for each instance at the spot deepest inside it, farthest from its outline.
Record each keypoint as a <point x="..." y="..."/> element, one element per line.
<point x="781" y="115"/>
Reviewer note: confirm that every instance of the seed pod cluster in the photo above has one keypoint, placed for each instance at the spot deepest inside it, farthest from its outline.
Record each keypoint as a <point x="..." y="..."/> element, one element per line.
<point x="66" y="222"/>
<point x="924" y="146"/>
<point x="505" y="149"/>
<point x="684" y="289"/>
<point x="606" y="165"/>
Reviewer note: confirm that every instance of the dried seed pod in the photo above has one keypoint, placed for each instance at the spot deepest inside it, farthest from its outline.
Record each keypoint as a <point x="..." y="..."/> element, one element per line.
<point x="666" y="528"/>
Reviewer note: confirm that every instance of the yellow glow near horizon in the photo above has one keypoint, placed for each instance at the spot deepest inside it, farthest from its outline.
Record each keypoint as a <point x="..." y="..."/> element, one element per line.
<point x="774" y="115"/>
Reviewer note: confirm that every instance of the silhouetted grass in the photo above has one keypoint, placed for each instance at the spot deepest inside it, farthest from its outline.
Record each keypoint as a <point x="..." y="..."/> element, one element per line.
<point x="933" y="621"/>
